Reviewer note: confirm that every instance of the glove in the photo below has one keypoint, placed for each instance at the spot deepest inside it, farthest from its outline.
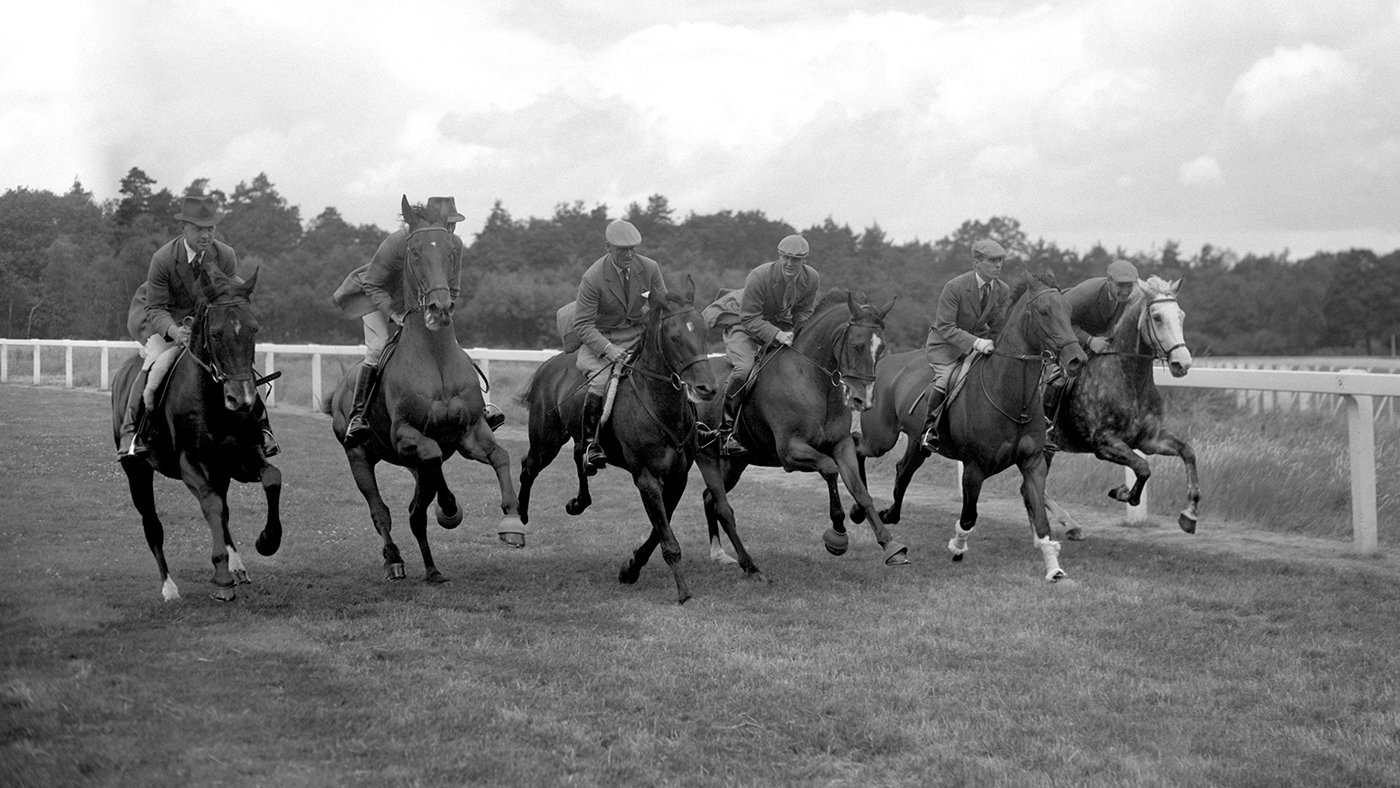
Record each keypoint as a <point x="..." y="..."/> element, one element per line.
<point x="181" y="336"/>
<point x="1098" y="345"/>
<point x="615" y="353"/>
<point x="785" y="337"/>
<point x="983" y="346"/>
<point x="398" y="318"/>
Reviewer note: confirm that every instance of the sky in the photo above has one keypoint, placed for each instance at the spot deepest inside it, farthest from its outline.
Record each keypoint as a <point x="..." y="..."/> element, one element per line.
<point x="1260" y="126"/>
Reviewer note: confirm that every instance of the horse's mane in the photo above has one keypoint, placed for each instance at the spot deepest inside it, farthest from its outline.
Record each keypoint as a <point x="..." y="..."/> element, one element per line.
<point x="1154" y="286"/>
<point x="836" y="296"/>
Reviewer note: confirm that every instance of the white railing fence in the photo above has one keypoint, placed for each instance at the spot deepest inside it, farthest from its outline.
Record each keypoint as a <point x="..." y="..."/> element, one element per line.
<point x="1355" y="389"/>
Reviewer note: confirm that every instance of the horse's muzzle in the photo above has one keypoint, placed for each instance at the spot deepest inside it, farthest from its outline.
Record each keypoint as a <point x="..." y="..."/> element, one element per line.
<point x="240" y="395"/>
<point x="1072" y="358"/>
<point x="1180" y="362"/>
<point x="700" y="392"/>
<point x="437" y="317"/>
<point x="859" y="395"/>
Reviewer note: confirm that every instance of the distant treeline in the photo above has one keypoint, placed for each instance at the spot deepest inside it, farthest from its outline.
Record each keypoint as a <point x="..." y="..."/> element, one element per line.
<point x="68" y="267"/>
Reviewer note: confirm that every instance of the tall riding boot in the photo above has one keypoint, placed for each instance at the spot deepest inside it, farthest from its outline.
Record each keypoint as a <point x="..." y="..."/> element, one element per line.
<point x="358" y="429"/>
<point x="132" y="442"/>
<point x="269" y="443"/>
<point x="929" y="445"/>
<point x="593" y="457"/>
<point x="731" y="446"/>
<point x="1054" y="390"/>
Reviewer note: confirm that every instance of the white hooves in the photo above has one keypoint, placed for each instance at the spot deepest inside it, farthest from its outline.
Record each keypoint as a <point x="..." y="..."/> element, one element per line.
<point x="511" y="531"/>
<point x="169" y="590"/>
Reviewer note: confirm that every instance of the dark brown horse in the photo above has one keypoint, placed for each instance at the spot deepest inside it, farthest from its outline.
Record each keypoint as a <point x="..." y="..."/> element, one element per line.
<point x="993" y="419"/>
<point x="797" y="415"/>
<point x="1113" y="406"/>
<point x="428" y="404"/>
<point x="651" y="433"/>
<point x="205" y="431"/>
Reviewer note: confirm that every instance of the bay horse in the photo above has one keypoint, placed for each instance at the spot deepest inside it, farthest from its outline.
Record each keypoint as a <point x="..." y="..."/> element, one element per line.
<point x="205" y="430"/>
<point x="651" y="432"/>
<point x="1113" y="406"/>
<point x="994" y="418"/>
<point x="428" y="403"/>
<point x="797" y="415"/>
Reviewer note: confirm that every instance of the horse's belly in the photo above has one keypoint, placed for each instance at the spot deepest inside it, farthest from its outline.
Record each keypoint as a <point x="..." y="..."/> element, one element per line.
<point x="451" y="414"/>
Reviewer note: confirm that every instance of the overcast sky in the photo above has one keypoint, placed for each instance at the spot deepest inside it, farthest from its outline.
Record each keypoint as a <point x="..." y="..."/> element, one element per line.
<point x="1257" y="126"/>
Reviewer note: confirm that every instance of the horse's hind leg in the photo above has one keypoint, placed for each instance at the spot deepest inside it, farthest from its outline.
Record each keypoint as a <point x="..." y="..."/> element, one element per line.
<point x="1058" y="513"/>
<point x="1033" y="494"/>
<point x="213" y="501"/>
<point x="270" y="540"/>
<point x="428" y="480"/>
<point x="362" y="469"/>
<point x="139" y="478"/>
<point x="971" y="490"/>
<point x="719" y="513"/>
<point x="583" y="500"/>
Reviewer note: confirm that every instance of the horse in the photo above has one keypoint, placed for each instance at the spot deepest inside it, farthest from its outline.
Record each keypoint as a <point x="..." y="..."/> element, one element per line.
<point x="993" y="419"/>
<point x="797" y="416"/>
<point x="651" y="432"/>
<point x="205" y="430"/>
<point x="428" y="404"/>
<point x="1113" y="406"/>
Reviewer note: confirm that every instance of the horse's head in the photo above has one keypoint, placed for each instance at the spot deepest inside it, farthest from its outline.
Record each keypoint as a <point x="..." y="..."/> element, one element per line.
<point x="223" y="337"/>
<point x="679" y="336"/>
<point x="432" y="266"/>
<point x="860" y="345"/>
<point x="1039" y="322"/>
<point x="1160" y="325"/>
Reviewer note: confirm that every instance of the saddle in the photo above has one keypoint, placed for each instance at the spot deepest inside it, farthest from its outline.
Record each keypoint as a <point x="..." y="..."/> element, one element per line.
<point x="955" y="386"/>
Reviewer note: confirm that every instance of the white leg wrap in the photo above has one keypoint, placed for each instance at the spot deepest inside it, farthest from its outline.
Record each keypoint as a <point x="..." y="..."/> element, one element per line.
<point x="958" y="544"/>
<point x="169" y="590"/>
<point x="717" y="553"/>
<point x="1050" y="549"/>
<point x="235" y="561"/>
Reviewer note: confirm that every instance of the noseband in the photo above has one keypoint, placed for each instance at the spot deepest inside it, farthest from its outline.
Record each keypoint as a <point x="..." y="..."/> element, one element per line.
<point x="420" y="295"/>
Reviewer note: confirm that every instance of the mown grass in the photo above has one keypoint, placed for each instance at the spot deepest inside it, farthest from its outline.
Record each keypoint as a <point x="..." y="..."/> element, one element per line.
<point x="1158" y="664"/>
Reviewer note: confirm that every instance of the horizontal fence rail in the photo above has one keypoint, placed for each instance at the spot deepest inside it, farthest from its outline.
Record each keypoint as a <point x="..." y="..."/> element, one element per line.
<point x="1355" y="387"/>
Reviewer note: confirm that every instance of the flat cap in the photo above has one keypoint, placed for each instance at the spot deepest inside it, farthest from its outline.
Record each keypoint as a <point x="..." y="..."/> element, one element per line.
<point x="1122" y="271"/>
<point x="988" y="248"/>
<point x="622" y="233"/>
<point x="793" y="246"/>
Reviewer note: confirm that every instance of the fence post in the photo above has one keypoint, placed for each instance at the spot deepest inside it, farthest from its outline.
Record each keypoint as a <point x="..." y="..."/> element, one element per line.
<point x="4" y="362"/>
<point x="1361" y="426"/>
<point x="106" y="364"/>
<point x="1139" y="512"/>
<point x="68" y="366"/>
<point x="315" y="381"/>
<point x="38" y="368"/>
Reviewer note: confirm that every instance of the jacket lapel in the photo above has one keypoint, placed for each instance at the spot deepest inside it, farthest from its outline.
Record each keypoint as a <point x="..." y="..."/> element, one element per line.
<point x="183" y="267"/>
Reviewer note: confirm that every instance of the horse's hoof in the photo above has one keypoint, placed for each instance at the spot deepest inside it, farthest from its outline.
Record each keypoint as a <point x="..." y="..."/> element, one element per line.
<point x="449" y="520"/>
<point x="1058" y="574"/>
<point x="857" y="514"/>
<point x="836" y="543"/>
<point x="723" y="559"/>
<point x="223" y="593"/>
<point x="394" y="572"/>
<point x="758" y="577"/>
<point x="683" y="599"/>
<point x="435" y="577"/>
<point x="627" y="575"/>
<point x="575" y="507"/>
<point x="1075" y="534"/>
<point x="1119" y="494"/>
<point x="513" y="538"/>
<point x="240" y="577"/>
<point x="1187" y="521"/>
<point x="896" y="554"/>
<point x="268" y="544"/>
<point x="889" y="517"/>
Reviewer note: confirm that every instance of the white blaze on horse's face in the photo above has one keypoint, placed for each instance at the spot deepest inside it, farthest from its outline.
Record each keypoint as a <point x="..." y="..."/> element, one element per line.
<point x="876" y="343"/>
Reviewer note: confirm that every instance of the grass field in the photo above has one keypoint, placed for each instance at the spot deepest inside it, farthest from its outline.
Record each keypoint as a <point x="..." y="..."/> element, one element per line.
<point x="1233" y="657"/>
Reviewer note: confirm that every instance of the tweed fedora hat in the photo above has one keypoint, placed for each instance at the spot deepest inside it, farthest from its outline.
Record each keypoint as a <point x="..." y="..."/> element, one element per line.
<point x="444" y="207"/>
<point x="201" y="211"/>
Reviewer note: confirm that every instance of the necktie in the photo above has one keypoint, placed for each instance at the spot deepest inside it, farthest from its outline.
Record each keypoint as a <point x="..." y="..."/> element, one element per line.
<point x="986" y="293"/>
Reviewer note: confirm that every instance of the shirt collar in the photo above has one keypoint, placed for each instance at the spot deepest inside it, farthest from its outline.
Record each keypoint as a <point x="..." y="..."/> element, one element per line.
<point x="190" y="253"/>
<point x="980" y="280"/>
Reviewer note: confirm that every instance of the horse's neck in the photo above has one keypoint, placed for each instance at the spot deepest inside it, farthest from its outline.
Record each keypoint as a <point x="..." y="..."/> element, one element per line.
<point x="817" y="340"/>
<point x="1127" y="336"/>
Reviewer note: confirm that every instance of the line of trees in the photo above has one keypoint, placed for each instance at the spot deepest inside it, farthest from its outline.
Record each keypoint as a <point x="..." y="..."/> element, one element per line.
<point x="68" y="267"/>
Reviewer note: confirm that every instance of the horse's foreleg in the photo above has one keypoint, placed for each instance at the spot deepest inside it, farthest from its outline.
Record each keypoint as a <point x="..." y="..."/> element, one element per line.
<point x="1166" y="443"/>
<point x="1033" y="494"/>
<point x="583" y="500"/>
<point x="362" y="469"/>
<point x="858" y="511"/>
<point x="895" y="553"/>
<point x="428" y="481"/>
<point x="971" y="490"/>
<point x="139" y="479"/>
<point x="481" y="445"/>
<point x="213" y="502"/>
<point x="270" y="539"/>
<point x="1113" y="449"/>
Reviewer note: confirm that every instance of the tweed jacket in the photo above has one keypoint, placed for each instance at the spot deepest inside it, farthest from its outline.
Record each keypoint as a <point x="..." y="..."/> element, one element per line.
<point x="766" y="308"/>
<point x="1093" y="312"/>
<point x="960" y="320"/>
<point x="605" y="309"/>
<point x="379" y="283"/>
<point x="171" y="289"/>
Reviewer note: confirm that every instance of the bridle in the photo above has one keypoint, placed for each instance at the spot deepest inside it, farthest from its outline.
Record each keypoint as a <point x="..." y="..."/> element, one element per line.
<point x="1148" y="330"/>
<point x="840" y="351"/>
<point x="211" y="364"/>
<point x="674" y="379"/>
<point x="416" y="296"/>
<point x="1049" y="358"/>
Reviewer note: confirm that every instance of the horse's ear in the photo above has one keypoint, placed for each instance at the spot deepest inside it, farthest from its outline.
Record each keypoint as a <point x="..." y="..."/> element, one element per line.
<point x="246" y="289"/>
<point x="885" y="310"/>
<point x="407" y="210"/>
<point x="1175" y="286"/>
<point x="689" y="290"/>
<point x="852" y="304"/>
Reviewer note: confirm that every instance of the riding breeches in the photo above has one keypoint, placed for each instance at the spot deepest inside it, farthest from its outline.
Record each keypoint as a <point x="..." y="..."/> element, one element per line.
<point x="376" y="336"/>
<point x="592" y="365"/>
<point x="941" y="374"/>
<point x="156" y="344"/>
<point x="741" y="350"/>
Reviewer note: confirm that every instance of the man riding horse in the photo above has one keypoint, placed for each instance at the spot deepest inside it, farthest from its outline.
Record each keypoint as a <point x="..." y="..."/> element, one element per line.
<point x="778" y="297"/>
<point x="1095" y="304"/>
<point x="609" y="320"/>
<point x="374" y="293"/>
<point x="163" y="307"/>
<point x="971" y="310"/>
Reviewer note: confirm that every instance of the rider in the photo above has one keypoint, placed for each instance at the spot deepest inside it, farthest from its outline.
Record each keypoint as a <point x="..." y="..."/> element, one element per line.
<point x="779" y="296"/>
<point x="971" y="310"/>
<point x="611" y="299"/>
<point x="165" y="303"/>
<point x="374" y="293"/>
<point x="1095" y="305"/>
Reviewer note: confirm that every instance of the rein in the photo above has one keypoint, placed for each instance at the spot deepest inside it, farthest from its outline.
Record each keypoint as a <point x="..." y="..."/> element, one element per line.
<point x="1047" y="358"/>
<point x="206" y="346"/>
<point x="674" y="380"/>
<point x="838" y="341"/>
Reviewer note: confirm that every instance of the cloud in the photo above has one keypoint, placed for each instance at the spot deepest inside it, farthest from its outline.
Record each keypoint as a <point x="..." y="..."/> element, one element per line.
<point x="1290" y="79"/>
<point x="1200" y="171"/>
